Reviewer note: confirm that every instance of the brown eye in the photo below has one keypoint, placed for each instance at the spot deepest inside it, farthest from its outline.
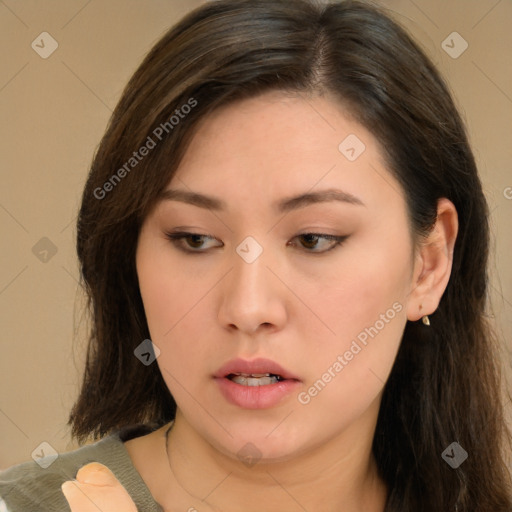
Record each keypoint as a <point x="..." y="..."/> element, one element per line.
<point x="195" y="241"/>
<point x="310" y="241"/>
<point x="189" y="242"/>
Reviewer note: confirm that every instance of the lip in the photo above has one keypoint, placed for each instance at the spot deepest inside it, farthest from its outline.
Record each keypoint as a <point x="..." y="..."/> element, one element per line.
<point x="255" y="397"/>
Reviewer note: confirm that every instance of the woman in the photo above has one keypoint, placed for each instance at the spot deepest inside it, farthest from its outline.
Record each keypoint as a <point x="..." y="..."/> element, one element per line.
<point x="284" y="240"/>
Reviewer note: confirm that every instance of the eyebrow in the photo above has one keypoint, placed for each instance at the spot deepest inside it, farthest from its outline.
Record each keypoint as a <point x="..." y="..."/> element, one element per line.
<point x="282" y="206"/>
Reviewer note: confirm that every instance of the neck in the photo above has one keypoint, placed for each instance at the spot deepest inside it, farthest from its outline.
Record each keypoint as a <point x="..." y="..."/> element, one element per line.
<point x="337" y="476"/>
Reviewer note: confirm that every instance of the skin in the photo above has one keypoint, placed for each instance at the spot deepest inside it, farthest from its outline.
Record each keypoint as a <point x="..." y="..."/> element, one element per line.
<point x="96" y="488"/>
<point x="293" y="305"/>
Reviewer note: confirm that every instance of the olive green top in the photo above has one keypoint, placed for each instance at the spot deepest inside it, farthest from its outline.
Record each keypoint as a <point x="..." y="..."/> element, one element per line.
<point x="27" y="487"/>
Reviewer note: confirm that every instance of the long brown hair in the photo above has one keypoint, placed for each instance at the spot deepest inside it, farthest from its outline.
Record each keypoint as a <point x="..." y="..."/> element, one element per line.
<point x="445" y="383"/>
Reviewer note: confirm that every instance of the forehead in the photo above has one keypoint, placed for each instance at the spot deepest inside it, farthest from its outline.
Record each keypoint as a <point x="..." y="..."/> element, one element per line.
<point x="277" y="144"/>
<point x="274" y="128"/>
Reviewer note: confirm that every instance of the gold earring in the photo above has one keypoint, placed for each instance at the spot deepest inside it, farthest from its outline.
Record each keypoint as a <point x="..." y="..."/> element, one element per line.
<point x="425" y="320"/>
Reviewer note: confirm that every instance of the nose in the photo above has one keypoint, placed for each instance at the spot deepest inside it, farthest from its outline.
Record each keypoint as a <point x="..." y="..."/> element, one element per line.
<point x="253" y="297"/>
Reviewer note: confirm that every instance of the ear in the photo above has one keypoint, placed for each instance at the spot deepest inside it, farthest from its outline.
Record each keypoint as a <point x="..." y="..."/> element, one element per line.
<point x="433" y="263"/>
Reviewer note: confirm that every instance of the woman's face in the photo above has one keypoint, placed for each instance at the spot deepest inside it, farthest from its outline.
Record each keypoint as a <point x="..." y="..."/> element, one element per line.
<point x="257" y="281"/>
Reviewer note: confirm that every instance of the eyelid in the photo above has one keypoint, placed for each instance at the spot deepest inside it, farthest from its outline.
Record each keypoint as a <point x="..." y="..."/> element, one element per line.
<point x="339" y="239"/>
<point x="177" y="236"/>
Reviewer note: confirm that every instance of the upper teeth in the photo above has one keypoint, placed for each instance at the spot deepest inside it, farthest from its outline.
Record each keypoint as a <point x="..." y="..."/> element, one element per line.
<point x="253" y="374"/>
<point x="254" y="379"/>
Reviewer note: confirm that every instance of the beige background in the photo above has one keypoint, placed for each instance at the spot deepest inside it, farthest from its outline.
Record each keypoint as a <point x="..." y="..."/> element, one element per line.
<point x="54" y="112"/>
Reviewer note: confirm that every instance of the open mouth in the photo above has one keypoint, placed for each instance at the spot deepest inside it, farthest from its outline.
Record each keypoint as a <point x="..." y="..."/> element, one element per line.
<point x="254" y="379"/>
<point x="255" y="384"/>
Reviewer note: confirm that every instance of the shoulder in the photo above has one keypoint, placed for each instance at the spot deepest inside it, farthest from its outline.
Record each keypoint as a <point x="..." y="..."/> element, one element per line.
<point x="32" y="486"/>
<point x="36" y="487"/>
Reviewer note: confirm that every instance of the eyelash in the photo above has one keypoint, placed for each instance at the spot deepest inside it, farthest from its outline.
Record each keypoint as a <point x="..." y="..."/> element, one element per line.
<point x="177" y="239"/>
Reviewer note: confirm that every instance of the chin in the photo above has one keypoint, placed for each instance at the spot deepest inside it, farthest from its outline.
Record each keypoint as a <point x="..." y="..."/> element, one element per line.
<point x="256" y="445"/>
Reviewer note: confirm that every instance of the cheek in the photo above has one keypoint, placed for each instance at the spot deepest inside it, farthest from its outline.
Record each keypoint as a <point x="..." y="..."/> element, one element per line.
<point x="366" y="314"/>
<point x="173" y="300"/>
<point x="169" y="293"/>
<point x="370" y="281"/>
